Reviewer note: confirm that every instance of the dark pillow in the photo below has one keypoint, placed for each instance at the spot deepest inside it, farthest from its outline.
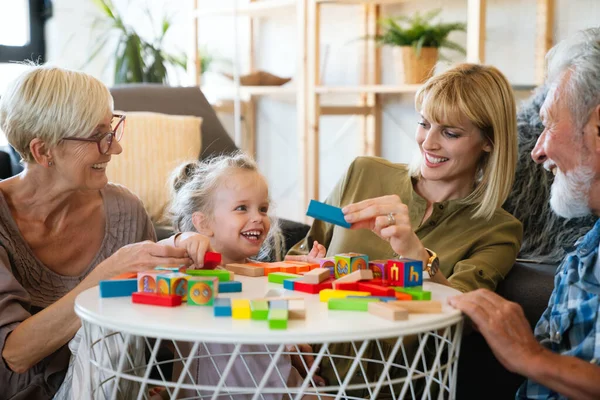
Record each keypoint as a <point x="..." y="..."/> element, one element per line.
<point x="545" y="235"/>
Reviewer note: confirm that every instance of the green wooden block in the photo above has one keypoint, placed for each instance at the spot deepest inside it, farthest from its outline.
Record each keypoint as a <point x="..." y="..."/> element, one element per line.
<point x="278" y="318"/>
<point x="223" y="275"/>
<point x="279" y="277"/>
<point x="416" y="292"/>
<point x="259" y="309"/>
<point x="353" y="304"/>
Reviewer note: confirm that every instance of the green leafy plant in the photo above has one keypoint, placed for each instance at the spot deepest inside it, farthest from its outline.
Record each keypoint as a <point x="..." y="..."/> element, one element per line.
<point x="419" y="31"/>
<point x="136" y="59"/>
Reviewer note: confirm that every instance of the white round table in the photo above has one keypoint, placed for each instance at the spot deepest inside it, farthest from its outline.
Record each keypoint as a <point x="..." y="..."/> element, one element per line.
<point x="112" y="325"/>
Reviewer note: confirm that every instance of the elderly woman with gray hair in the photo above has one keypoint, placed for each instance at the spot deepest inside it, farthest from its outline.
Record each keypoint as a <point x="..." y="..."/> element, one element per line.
<point x="63" y="227"/>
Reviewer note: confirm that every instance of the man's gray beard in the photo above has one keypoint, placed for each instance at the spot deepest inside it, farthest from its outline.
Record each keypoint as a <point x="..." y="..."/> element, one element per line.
<point x="570" y="193"/>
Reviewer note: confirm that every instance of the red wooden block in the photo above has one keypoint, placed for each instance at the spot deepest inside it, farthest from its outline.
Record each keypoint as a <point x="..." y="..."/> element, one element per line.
<point x="312" y="288"/>
<point x="212" y="260"/>
<point x="402" y="296"/>
<point x="346" y="286"/>
<point x="376" y="290"/>
<point x="166" y="300"/>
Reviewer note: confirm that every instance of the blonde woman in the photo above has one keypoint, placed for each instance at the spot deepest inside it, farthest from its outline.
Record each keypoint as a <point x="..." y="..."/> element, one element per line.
<point x="445" y="208"/>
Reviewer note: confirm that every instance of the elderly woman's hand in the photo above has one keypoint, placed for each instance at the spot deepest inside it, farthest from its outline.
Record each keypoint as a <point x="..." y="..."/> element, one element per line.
<point x="140" y="257"/>
<point x="388" y="218"/>
<point x="196" y="246"/>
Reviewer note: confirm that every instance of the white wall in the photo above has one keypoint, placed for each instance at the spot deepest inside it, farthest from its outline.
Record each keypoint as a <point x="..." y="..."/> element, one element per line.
<point x="509" y="46"/>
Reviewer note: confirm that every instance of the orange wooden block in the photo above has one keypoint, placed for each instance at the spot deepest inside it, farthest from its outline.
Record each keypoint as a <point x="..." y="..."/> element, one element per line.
<point x="125" y="275"/>
<point x="271" y="268"/>
<point x="402" y="296"/>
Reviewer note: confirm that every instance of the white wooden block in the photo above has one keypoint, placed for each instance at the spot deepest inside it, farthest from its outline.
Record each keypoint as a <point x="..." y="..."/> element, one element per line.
<point x="419" y="306"/>
<point x="316" y="276"/>
<point x="388" y="311"/>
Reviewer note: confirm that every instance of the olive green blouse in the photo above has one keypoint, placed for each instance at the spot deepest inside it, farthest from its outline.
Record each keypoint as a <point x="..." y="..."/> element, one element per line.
<point x="474" y="252"/>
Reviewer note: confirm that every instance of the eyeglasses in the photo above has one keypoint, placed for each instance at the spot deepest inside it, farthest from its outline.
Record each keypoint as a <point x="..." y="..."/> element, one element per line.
<point x="104" y="141"/>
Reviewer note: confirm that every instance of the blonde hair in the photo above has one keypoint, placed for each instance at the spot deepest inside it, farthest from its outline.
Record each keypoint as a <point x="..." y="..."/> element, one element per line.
<point x="52" y="103"/>
<point x="193" y="185"/>
<point x="481" y="93"/>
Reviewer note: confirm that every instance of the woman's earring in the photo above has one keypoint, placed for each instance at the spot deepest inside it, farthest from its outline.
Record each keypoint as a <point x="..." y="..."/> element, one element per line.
<point x="50" y="163"/>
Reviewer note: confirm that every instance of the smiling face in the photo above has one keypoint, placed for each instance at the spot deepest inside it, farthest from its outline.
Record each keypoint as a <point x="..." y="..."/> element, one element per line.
<point x="239" y="223"/>
<point x="80" y="164"/>
<point x="451" y="150"/>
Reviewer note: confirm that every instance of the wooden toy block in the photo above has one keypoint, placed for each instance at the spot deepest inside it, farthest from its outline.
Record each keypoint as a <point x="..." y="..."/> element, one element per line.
<point x="405" y="272"/>
<point x="125" y="275"/>
<point x="155" y="299"/>
<point x="376" y="290"/>
<point x="289" y="283"/>
<point x="118" y="288"/>
<point x="171" y="268"/>
<point x="245" y="269"/>
<point x="378" y="268"/>
<point x="222" y="307"/>
<point x="211" y="260"/>
<point x="311" y="288"/>
<point x="279" y="277"/>
<point x="284" y="266"/>
<point x="269" y="269"/>
<point x="354" y="276"/>
<point x="278" y="318"/>
<point x="147" y="281"/>
<point x="403" y="296"/>
<point x="327" y="213"/>
<point x="328" y="263"/>
<point x="278" y="304"/>
<point x="173" y="283"/>
<point x="345" y="286"/>
<point x="223" y="275"/>
<point x="354" y="304"/>
<point x="296" y="309"/>
<point x="385" y="299"/>
<point x="346" y="263"/>
<point x="419" y="307"/>
<point x="325" y="295"/>
<point x="388" y="311"/>
<point x="240" y="309"/>
<point x="302" y="266"/>
<point x="230" y="287"/>
<point x="259" y="309"/>
<point x="317" y="275"/>
<point x="202" y="290"/>
<point x="417" y="292"/>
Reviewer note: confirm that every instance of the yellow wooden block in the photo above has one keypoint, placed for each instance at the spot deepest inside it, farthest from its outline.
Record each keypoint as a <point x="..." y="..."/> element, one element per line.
<point x="240" y="309"/>
<point x="325" y="295"/>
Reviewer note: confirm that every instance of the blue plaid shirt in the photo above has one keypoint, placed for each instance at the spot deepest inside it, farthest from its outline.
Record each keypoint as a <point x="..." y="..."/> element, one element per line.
<point x="571" y="323"/>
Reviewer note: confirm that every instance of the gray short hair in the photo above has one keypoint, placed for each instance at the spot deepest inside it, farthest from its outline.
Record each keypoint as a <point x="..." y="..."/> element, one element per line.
<point x="52" y="103"/>
<point x="579" y="55"/>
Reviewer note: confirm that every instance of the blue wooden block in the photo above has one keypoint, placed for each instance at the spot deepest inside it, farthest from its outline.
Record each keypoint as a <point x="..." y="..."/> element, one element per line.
<point x="118" y="287"/>
<point x="230" y="287"/>
<point x="385" y="299"/>
<point x="278" y="304"/>
<point x="289" y="284"/>
<point x="327" y="213"/>
<point x="222" y="306"/>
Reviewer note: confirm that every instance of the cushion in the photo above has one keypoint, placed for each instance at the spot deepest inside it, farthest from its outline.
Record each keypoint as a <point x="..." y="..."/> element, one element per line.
<point x="153" y="145"/>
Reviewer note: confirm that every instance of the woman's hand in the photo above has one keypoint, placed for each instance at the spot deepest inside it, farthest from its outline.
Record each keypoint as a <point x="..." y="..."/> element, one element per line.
<point x="388" y="218"/>
<point x="141" y="256"/>
<point x="196" y="246"/>
<point x="317" y="252"/>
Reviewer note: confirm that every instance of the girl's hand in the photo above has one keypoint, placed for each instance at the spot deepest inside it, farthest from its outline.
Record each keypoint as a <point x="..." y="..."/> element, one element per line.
<point x="141" y="256"/>
<point x="196" y="246"/>
<point x="317" y="252"/>
<point x="388" y="218"/>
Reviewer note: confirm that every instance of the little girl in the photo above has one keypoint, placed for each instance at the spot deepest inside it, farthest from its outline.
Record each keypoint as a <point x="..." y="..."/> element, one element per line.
<point x="226" y="200"/>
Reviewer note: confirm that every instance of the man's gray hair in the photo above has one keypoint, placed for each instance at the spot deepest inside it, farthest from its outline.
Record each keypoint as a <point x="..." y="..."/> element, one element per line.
<point x="579" y="55"/>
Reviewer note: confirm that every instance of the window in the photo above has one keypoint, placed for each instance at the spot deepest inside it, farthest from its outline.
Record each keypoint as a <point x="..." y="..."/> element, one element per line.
<point x="22" y="30"/>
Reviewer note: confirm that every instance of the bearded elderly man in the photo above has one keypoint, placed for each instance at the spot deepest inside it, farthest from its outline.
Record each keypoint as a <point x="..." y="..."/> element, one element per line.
<point x="562" y="359"/>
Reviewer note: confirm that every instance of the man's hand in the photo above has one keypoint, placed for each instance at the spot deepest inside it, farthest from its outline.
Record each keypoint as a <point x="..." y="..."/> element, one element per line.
<point x="502" y="323"/>
<point x="304" y="350"/>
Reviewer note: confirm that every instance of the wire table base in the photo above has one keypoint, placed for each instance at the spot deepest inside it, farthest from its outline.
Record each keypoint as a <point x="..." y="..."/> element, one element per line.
<point x="420" y="366"/>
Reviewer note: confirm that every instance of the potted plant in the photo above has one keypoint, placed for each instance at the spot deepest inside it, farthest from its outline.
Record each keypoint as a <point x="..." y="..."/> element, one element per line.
<point x="136" y="59"/>
<point x="416" y="42"/>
